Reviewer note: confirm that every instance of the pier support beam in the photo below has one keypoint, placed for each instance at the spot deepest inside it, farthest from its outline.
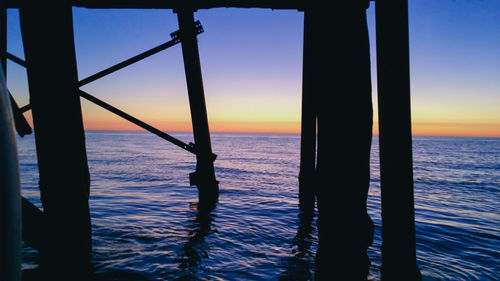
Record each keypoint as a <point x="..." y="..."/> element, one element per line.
<point x="10" y="197"/>
<point x="344" y="141"/>
<point x="47" y="31"/>
<point x="396" y="167"/>
<point x="307" y="174"/>
<point x="204" y="177"/>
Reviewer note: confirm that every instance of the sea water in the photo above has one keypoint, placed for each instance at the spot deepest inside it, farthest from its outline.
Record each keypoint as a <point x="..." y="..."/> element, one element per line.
<point x="146" y="226"/>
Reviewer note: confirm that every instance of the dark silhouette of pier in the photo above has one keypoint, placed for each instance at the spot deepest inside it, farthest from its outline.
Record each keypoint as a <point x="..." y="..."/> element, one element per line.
<point x="336" y="131"/>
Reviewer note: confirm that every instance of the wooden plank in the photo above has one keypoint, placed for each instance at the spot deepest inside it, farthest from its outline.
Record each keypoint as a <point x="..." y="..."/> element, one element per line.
<point x="194" y="4"/>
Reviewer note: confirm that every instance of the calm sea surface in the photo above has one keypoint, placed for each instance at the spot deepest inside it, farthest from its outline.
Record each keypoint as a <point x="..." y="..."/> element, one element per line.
<point x="146" y="225"/>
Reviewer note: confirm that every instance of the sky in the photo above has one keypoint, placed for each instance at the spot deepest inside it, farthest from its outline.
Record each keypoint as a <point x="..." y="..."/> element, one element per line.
<point x="252" y="67"/>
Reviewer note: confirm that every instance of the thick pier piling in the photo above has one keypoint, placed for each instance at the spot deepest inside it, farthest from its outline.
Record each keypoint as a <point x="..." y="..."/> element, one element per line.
<point x="10" y="197"/>
<point x="336" y="132"/>
<point x="204" y="176"/>
<point x="344" y="141"/>
<point x="396" y="167"/>
<point x="47" y="31"/>
<point x="307" y="174"/>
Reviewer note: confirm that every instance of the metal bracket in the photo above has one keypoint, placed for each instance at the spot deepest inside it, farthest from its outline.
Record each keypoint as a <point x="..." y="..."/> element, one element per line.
<point x="198" y="29"/>
<point x="195" y="180"/>
<point x="192" y="146"/>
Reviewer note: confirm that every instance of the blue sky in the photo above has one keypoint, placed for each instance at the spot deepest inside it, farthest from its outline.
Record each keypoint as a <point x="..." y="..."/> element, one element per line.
<point x="252" y="64"/>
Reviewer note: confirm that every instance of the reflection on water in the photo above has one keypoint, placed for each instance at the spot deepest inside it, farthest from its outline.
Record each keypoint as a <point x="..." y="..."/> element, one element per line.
<point x="146" y="224"/>
<point x="194" y="249"/>
<point x="300" y="265"/>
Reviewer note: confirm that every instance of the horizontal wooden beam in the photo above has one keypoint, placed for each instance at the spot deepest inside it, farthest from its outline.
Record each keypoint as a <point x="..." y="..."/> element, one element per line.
<point x="195" y="4"/>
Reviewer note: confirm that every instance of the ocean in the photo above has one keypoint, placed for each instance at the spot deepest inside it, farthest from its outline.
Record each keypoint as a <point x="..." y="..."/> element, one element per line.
<point x="146" y="225"/>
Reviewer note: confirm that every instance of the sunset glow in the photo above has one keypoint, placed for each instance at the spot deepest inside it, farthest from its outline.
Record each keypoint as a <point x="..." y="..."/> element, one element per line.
<point x="252" y="68"/>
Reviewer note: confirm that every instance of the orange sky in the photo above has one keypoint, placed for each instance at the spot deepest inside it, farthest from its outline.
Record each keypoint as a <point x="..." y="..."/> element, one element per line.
<point x="274" y="114"/>
<point x="419" y="129"/>
<point x="254" y="116"/>
<point x="425" y="123"/>
<point x="253" y="82"/>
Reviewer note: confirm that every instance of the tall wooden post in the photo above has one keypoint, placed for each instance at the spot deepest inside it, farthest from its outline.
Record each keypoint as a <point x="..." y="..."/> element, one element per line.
<point x="344" y="141"/>
<point x="307" y="175"/>
<point x="47" y="31"/>
<point x="204" y="177"/>
<point x="10" y="197"/>
<point x="396" y="168"/>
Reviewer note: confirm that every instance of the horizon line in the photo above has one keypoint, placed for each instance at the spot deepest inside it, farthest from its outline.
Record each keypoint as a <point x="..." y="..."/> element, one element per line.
<point x="277" y="133"/>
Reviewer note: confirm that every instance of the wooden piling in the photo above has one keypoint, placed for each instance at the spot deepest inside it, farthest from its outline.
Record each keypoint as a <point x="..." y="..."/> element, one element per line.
<point x="344" y="140"/>
<point x="307" y="174"/>
<point x="204" y="177"/>
<point x="47" y="31"/>
<point x="10" y="197"/>
<point x="395" y="140"/>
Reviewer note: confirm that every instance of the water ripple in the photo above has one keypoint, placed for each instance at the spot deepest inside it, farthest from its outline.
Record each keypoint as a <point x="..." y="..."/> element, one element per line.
<point x="146" y="225"/>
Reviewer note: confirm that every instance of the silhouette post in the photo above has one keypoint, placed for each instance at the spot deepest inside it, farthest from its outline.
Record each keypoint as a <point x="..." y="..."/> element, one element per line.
<point x="47" y="31"/>
<point x="307" y="174"/>
<point x="396" y="168"/>
<point x="10" y="197"/>
<point x="344" y="141"/>
<point x="204" y="176"/>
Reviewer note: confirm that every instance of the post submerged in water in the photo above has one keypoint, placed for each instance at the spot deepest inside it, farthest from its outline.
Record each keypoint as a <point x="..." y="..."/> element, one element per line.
<point x="344" y="134"/>
<point x="10" y="196"/>
<point x="204" y="176"/>
<point x="395" y="140"/>
<point x="307" y="174"/>
<point x="344" y="141"/>
<point x="47" y="32"/>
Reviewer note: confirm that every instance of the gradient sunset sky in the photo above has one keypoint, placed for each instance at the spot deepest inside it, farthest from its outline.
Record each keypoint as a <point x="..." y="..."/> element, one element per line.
<point x="252" y="67"/>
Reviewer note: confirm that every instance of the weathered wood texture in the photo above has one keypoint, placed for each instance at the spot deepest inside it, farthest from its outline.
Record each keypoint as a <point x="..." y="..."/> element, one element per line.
<point x="204" y="177"/>
<point x="310" y="91"/>
<point x="47" y="31"/>
<point x="396" y="167"/>
<point x="195" y="4"/>
<point x="344" y="141"/>
<point x="10" y="197"/>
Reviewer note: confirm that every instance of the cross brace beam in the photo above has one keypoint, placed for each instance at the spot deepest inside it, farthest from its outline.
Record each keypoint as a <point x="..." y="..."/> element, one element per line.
<point x="189" y="147"/>
<point x="175" y="40"/>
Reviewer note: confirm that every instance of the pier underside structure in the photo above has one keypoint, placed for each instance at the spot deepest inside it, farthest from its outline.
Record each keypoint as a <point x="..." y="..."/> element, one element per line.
<point x="336" y="129"/>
